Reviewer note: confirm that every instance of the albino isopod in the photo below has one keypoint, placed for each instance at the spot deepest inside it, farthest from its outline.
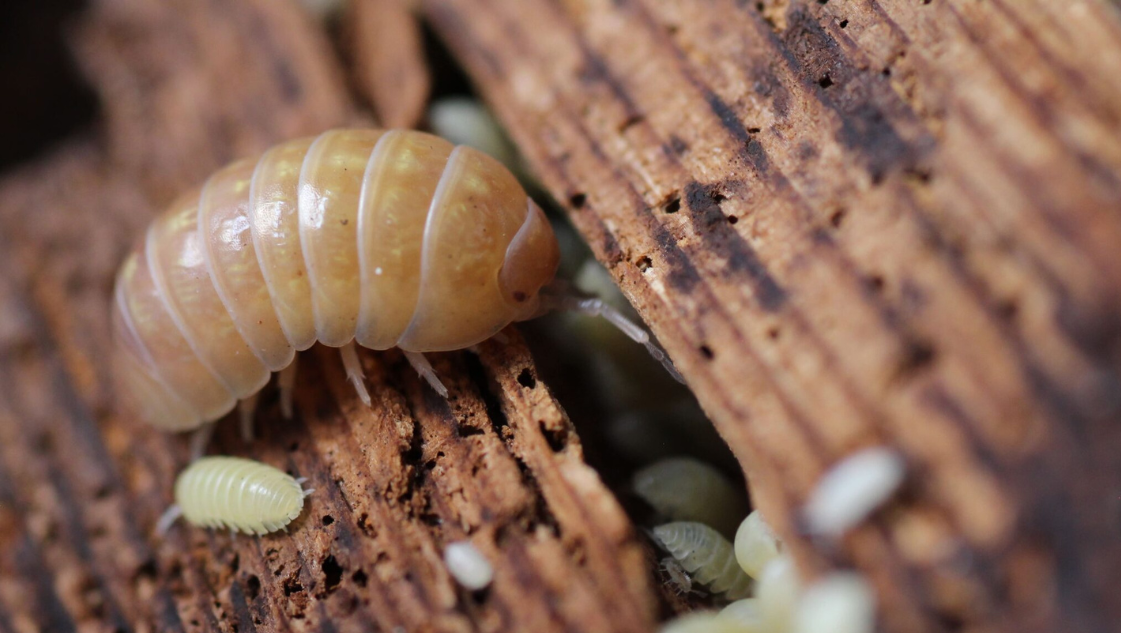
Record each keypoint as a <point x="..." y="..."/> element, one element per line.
<point x="237" y="493"/>
<point x="842" y="602"/>
<point x="853" y="489"/>
<point x="468" y="565"/>
<point x="755" y="544"/>
<point x="777" y="592"/>
<point x="748" y="614"/>
<point x="704" y="622"/>
<point x="687" y="489"/>
<point x="384" y="238"/>
<point x="705" y="554"/>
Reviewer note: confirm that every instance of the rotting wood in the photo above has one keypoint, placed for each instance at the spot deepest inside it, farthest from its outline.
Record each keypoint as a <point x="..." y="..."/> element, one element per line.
<point x="384" y="41"/>
<point x="863" y="222"/>
<point x="183" y="89"/>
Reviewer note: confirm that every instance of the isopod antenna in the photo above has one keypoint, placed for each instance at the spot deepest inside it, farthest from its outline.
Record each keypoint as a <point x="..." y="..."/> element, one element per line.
<point x="560" y="295"/>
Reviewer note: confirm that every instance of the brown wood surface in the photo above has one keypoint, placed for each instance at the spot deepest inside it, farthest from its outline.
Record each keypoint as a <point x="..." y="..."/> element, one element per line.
<point x="863" y="222"/>
<point x="851" y="222"/>
<point x="185" y="87"/>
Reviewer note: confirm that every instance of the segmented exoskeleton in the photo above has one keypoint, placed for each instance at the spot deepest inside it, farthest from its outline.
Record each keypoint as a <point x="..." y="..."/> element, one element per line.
<point x="236" y="493"/>
<point x="383" y="238"/>
<point x="707" y="555"/>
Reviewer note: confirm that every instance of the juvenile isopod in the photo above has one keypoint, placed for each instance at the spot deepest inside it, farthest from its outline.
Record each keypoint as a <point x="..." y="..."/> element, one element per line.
<point x="705" y="554"/>
<point x="381" y="238"/>
<point x="705" y="622"/>
<point x="235" y="493"/>
<point x="841" y="602"/>
<point x="756" y="545"/>
<point x="853" y="489"/>
<point x="687" y="489"/>
<point x="468" y="565"/>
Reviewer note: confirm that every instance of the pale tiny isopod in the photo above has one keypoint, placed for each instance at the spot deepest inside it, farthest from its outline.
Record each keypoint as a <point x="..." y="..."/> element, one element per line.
<point x="841" y="602"/>
<point x="747" y="614"/>
<point x="852" y="489"/>
<point x="687" y="489"/>
<point x="755" y="544"/>
<point x="235" y="493"/>
<point x="704" y="622"/>
<point x="705" y="554"/>
<point x="384" y="238"/>
<point x="468" y="565"/>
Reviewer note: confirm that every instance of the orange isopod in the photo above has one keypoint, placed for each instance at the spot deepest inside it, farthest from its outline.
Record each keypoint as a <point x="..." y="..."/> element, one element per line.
<point x="384" y="238"/>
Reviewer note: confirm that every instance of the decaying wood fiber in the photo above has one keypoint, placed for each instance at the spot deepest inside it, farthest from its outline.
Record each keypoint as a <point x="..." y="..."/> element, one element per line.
<point x="863" y="222"/>
<point x="183" y="88"/>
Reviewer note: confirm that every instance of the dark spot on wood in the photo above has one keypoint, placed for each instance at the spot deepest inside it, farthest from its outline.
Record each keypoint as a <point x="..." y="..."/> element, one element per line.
<point x="332" y="573"/>
<point x="917" y="354"/>
<point x="682" y="276"/>
<point x="677" y="145"/>
<point x="578" y="200"/>
<point x="252" y="587"/>
<point x="707" y="352"/>
<point x="875" y="283"/>
<point x="327" y="519"/>
<point x="555" y="436"/>
<point x="630" y="121"/>
<point x="644" y="264"/>
<point x="520" y="296"/>
<point x="292" y="585"/>
<point x="740" y="259"/>
<point x="837" y="218"/>
<point x="360" y="579"/>
<point x="526" y="379"/>
<point x="673" y="206"/>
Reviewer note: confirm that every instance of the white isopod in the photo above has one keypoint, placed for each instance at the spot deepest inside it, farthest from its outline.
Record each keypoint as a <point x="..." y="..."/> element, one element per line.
<point x="468" y="565"/>
<point x="756" y="544"/>
<point x="842" y="602"/>
<point x="704" y="622"/>
<point x="705" y="554"/>
<point x="853" y="489"/>
<point x="687" y="489"/>
<point x="240" y="494"/>
<point x="747" y="614"/>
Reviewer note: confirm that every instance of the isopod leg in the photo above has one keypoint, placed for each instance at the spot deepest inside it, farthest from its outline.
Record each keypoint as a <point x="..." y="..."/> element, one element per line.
<point x="634" y="331"/>
<point x="168" y="518"/>
<point x="199" y="439"/>
<point x="245" y="410"/>
<point x="286" y="380"/>
<point x="354" y="372"/>
<point x="424" y="368"/>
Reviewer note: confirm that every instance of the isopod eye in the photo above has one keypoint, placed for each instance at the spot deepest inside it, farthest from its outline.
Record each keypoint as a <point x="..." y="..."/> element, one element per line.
<point x="531" y="261"/>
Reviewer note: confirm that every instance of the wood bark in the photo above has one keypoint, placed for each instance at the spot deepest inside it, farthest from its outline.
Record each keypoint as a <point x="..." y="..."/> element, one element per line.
<point x="183" y="88"/>
<point x="863" y="222"/>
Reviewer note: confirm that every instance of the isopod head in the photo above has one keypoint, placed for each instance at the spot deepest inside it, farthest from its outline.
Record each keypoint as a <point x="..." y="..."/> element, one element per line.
<point x="531" y="262"/>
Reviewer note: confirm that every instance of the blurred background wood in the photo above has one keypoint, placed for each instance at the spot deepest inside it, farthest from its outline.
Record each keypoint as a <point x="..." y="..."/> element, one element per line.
<point x="850" y="223"/>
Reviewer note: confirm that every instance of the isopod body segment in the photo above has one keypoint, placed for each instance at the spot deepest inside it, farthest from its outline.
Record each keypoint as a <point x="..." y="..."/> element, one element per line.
<point x="707" y="555"/>
<point x="384" y="238"/>
<point x="240" y="494"/>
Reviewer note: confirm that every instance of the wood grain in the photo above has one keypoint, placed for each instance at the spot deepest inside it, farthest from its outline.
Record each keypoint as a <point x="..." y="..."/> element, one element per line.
<point x="857" y="223"/>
